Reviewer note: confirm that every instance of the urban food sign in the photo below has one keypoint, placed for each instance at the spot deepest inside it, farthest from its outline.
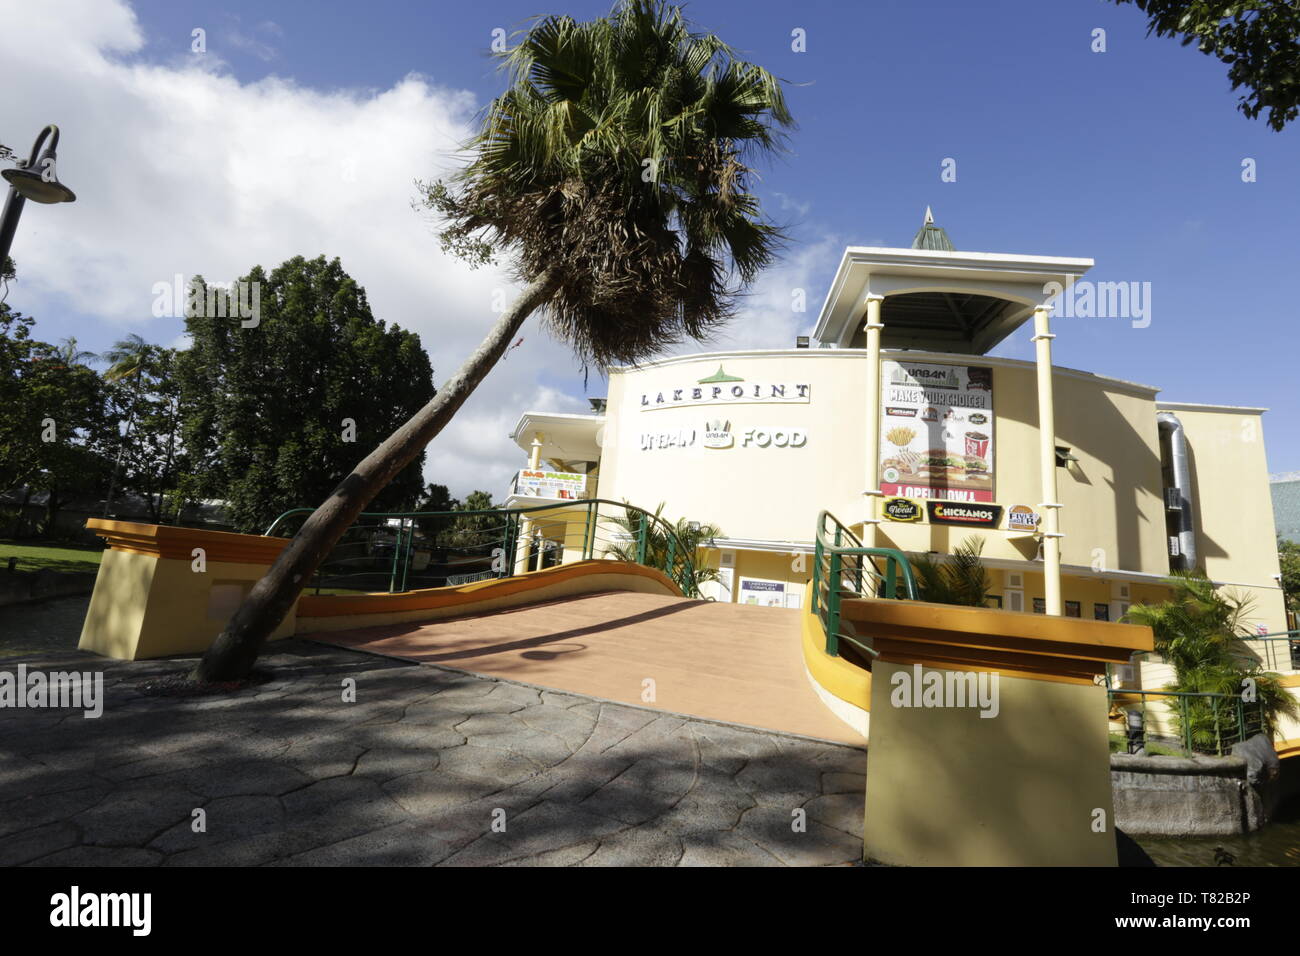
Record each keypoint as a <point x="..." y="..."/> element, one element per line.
<point x="719" y="434"/>
<point x="723" y="389"/>
<point x="936" y="431"/>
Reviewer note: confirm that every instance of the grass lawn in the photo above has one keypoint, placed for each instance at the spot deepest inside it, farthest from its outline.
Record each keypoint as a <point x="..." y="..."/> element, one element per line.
<point x="55" y="556"/>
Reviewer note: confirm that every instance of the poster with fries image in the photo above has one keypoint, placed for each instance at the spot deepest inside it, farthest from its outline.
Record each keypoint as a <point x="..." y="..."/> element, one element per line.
<point x="936" y="425"/>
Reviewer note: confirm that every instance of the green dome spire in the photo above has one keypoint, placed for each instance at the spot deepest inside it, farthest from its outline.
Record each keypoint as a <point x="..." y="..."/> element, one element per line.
<point x="930" y="236"/>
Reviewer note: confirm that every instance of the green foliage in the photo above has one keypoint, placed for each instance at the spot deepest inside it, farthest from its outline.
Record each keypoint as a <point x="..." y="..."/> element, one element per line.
<point x="436" y="498"/>
<point x="264" y="406"/>
<point x="1199" y="631"/>
<point x="45" y="396"/>
<point x="661" y="551"/>
<point x="1260" y="42"/>
<point x="1288" y="556"/>
<point x="144" y="398"/>
<point x="473" y="532"/>
<point x="617" y="163"/>
<point x="960" y="580"/>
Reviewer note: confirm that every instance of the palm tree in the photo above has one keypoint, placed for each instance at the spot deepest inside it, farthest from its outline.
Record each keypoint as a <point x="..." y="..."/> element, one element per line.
<point x="1199" y="632"/>
<point x="129" y="358"/>
<point x="683" y="559"/>
<point x="70" y="355"/>
<point x="614" y="173"/>
<point x="962" y="580"/>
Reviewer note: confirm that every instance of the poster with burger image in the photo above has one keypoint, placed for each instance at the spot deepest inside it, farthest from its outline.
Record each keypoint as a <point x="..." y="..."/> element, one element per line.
<point x="936" y="431"/>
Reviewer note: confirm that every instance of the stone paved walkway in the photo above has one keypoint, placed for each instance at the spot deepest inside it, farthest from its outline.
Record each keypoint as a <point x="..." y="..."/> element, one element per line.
<point x="415" y="772"/>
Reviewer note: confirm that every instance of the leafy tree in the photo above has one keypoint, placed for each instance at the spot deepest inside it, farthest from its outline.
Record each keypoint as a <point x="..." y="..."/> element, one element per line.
<point x="1199" y="631"/>
<point x="274" y="412"/>
<point x="52" y="415"/>
<point x="130" y="363"/>
<point x="614" y="173"/>
<point x="473" y="533"/>
<point x="144" y="398"/>
<point x="961" y="580"/>
<point x="1259" y="40"/>
<point x="436" y="498"/>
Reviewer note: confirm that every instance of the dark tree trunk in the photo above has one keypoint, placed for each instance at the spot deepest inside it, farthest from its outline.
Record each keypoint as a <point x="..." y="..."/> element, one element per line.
<point x="235" y="650"/>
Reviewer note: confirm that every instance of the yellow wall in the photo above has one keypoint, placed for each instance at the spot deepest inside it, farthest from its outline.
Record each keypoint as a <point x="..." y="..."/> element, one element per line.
<point x="1235" y="535"/>
<point x="145" y="606"/>
<point x="946" y="787"/>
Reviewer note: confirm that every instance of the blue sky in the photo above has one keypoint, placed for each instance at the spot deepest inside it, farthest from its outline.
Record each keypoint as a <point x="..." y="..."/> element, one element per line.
<point x="1131" y="157"/>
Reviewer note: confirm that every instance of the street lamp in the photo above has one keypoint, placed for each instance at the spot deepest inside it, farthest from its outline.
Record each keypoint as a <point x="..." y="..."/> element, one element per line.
<point x="35" y="179"/>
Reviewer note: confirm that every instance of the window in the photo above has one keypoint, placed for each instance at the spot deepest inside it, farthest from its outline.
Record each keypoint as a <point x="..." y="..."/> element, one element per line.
<point x="1013" y="599"/>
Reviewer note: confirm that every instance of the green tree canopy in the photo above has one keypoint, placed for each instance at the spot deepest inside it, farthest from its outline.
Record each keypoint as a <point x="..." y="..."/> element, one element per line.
<point x="51" y="411"/>
<point x="276" y="412"/>
<point x="1259" y="40"/>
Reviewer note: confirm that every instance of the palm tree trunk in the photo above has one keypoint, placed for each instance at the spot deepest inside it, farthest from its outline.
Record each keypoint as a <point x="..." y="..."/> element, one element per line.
<point x="235" y="649"/>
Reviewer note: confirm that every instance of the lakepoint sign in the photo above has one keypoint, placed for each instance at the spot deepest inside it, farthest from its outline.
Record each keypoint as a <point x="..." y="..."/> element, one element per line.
<point x="723" y="389"/>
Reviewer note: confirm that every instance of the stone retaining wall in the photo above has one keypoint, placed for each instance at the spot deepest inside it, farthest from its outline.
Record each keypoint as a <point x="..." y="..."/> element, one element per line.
<point x="18" y="587"/>
<point x="1197" y="796"/>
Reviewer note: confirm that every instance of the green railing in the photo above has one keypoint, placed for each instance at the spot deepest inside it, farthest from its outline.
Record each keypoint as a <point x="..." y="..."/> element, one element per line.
<point x="842" y="568"/>
<point x="1281" y="650"/>
<point x="1206" y="722"/>
<point x="404" y="550"/>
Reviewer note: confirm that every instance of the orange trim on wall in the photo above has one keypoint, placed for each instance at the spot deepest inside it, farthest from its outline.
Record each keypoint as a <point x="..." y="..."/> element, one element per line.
<point x="334" y="605"/>
<point x="170" y="541"/>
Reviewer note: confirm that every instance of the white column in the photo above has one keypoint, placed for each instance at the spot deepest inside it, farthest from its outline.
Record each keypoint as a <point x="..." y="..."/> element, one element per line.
<point x="524" y="547"/>
<point x="872" y="327"/>
<point x="1049" y="506"/>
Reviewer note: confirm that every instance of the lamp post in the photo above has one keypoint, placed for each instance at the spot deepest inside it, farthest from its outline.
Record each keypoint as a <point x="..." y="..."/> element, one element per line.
<point x="35" y="179"/>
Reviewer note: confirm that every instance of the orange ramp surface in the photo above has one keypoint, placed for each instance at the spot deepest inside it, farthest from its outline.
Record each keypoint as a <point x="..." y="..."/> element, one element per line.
<point x="737" y="663"/>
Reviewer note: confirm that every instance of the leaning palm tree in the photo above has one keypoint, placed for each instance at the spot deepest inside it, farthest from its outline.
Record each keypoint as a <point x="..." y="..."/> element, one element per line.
<point x="614" y="173"/>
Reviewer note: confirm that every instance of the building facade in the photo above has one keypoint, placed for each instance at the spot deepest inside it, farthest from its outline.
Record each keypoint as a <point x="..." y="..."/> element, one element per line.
<point x="1085" y="491"/>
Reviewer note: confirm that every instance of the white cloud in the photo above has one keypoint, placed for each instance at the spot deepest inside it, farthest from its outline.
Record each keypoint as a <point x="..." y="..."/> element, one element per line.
<point x="179" y="167"/>
<point x="784" y="302"/>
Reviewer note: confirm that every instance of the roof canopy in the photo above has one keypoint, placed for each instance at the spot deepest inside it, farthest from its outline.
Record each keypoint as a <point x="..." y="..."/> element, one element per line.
<point x="565" y="438"/>
<point x="939" y="299"/>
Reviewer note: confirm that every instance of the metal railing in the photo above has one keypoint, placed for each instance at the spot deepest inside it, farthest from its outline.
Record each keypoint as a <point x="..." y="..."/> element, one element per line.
<point x="1204" y="722"/>
<point x="402" y="551"/>
<point x="1281" y="650"/>
<point x="843" y="567"/>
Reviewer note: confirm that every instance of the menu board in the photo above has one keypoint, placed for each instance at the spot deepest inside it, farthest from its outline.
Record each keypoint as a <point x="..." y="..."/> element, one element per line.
<point x="936" y="431"/>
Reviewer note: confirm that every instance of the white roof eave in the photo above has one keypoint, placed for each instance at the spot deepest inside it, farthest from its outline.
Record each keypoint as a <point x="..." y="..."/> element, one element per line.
<point x="862" y="261"/>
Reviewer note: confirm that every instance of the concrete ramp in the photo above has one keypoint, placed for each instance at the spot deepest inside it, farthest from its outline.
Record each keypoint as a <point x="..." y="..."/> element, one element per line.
<point x="729" y="662"/>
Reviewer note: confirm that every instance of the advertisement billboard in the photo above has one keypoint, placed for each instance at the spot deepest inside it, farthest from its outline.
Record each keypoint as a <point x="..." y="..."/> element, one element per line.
<point x="936" y="431"/>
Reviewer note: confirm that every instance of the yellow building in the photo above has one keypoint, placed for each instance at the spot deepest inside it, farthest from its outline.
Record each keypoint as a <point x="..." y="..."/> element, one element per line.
<point x="1085" y="490"/>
